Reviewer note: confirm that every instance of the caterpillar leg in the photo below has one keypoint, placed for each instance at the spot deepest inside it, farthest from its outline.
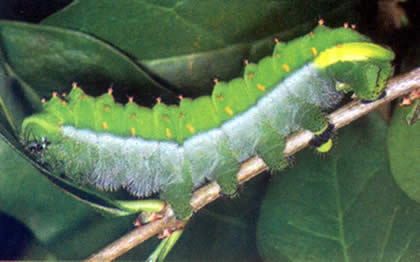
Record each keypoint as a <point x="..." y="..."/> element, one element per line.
<point x="178" y="193"/>
<point x="211" y="158"/>
<point x="270" y="147"/>
<point x="227" y="179"/>
<point x="165" y="247"/>
<point x="314" y="120"/>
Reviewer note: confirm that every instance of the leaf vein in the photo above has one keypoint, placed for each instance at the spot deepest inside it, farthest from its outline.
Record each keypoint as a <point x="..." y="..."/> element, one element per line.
<point x="317" y="234"/>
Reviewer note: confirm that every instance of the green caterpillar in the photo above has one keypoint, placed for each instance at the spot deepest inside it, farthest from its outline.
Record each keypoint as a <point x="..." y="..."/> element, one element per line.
<point x="172" y="150"/>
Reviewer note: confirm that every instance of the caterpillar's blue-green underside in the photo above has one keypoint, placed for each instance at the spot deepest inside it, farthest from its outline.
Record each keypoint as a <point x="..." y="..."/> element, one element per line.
<point x="173" y="149"/>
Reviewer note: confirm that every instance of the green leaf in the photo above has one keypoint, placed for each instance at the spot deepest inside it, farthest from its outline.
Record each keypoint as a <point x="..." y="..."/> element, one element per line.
<point x="56" y="219"/>
<point x="189" y="43"/>
<point x="12" y="109"/>
<point x="27" y="195"/>
<point x="404" y="153"/>
<point x="50" y="59"/>
<point x="345" y="207"/>
<point x="185" y="27"/>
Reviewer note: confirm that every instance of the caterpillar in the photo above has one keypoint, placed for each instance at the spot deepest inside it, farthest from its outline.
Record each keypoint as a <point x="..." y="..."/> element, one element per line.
<point x="173" y="149"/>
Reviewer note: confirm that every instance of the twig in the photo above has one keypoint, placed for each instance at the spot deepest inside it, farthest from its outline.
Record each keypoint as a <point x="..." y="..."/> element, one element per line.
<point x="397" y="86"/>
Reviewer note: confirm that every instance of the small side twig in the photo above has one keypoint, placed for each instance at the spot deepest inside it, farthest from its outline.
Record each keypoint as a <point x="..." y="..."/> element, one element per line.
<point x="397" y="86"/>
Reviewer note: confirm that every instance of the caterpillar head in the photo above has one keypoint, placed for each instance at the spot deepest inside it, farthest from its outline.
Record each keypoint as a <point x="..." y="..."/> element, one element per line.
<point x="39" y="131"/>
<point x="38" y="147"/>
<point x="43" y="129"/>
<point x="363" y="66"/>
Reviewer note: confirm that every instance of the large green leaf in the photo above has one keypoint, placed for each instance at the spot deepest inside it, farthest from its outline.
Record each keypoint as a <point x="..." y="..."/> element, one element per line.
<point x="185" y="27"/>
<point x="55" y="218"/>
<point x="191" y="42"/>
<point x="49" y="59"/>
<point x="345" y="207"/>
<point x="404" y="153"/>
<point x="13" y="108"/>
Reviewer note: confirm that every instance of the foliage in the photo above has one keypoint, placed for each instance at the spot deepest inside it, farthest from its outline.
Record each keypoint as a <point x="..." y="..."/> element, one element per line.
<point x="150" y="49"/>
